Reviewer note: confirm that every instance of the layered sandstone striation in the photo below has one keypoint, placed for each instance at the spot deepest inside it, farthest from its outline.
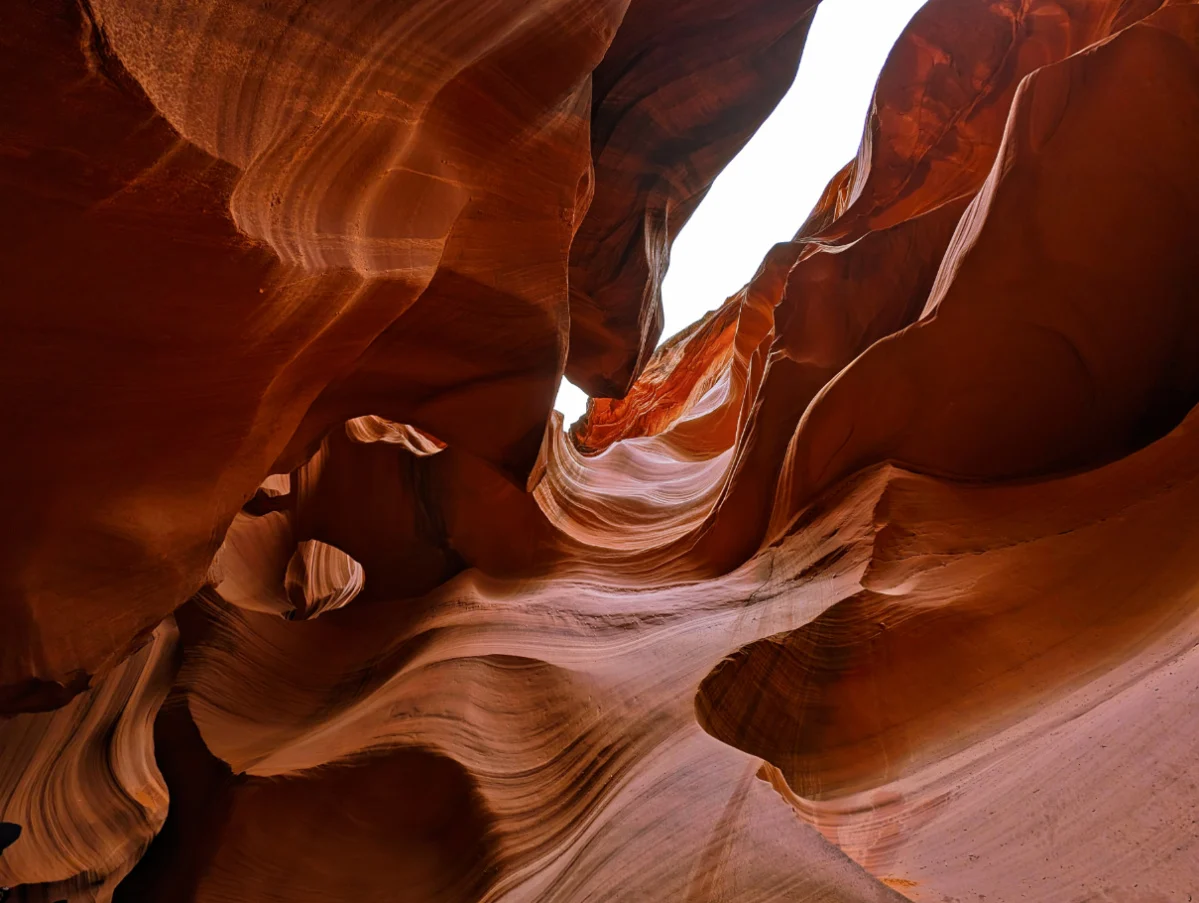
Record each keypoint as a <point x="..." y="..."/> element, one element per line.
<point x="881" y="581"/>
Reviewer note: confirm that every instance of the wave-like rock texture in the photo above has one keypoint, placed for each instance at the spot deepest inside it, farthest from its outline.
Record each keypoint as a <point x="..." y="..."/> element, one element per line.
<point x="880" y="582"/>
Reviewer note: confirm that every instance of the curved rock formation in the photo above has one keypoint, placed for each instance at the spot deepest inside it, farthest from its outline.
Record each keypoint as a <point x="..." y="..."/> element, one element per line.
<point x="877" y="583"/>
<point x="80" y="785"/>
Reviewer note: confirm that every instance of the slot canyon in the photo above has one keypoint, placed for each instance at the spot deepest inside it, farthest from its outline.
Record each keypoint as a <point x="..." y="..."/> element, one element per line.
<point x="878" y="582"/>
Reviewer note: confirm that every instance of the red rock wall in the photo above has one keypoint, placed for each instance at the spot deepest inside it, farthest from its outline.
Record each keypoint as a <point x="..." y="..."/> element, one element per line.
<point x="879" y="582"/>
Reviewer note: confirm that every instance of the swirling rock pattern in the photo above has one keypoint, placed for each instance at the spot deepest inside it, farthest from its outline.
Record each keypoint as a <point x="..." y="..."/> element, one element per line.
<point x="81" y="782"/>
<point x="880" y="582"/>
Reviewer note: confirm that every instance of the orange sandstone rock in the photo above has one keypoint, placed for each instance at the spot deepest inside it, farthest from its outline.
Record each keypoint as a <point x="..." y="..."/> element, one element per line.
<point x="877" y="583"/>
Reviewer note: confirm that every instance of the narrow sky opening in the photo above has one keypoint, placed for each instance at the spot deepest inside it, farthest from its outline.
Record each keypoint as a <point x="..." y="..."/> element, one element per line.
<point x="766" y="192"/>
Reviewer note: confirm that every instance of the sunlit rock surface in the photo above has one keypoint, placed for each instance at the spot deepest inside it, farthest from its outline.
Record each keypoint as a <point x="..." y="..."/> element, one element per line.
<point x="881" y="581"/>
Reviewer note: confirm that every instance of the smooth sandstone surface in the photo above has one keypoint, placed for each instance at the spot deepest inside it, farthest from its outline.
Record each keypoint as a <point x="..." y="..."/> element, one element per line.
<point x="880" y="582"/>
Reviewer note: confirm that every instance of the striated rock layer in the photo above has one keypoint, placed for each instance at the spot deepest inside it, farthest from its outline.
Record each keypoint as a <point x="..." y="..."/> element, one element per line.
<point x="880" y="582"/>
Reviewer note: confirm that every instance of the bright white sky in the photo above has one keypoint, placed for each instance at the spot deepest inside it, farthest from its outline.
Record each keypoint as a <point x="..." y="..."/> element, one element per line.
<point x="766" y="192"/>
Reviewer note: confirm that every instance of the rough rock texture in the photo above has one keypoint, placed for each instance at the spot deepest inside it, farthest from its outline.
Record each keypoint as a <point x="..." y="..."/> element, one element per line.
<point x="881" y="581"/>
